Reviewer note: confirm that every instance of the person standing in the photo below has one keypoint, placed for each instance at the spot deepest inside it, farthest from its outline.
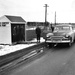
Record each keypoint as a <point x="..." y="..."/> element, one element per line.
<point x="38" y="34"/>
<point x="52" y="28"/>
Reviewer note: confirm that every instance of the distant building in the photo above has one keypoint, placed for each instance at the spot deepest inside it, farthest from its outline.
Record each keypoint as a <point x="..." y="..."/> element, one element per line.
<point x="36" y="23"/>
<point x="12" y="29"/>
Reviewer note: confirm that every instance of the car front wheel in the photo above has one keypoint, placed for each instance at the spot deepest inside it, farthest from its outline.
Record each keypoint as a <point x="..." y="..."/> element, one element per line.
<point x="71" y="41"/>
<point x="70" y="44"/>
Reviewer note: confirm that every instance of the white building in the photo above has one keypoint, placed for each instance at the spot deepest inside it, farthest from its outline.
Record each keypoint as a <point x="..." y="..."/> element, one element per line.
<point x="12" y="29"/>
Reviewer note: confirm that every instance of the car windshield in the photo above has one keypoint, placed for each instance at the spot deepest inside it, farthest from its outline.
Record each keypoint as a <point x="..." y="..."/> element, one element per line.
<point x="62" y="28"/>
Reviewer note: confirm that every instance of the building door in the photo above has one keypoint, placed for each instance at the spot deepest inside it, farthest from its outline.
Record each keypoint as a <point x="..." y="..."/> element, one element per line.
<point x="18" y="32"/>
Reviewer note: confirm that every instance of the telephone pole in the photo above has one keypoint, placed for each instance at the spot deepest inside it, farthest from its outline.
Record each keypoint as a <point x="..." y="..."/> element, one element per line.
<point x="46" y="13"/>
<point x="55" y="17"/>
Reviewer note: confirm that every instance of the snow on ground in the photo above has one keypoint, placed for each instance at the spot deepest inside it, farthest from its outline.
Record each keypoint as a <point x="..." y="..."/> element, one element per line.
<point x="35" y="40"/>
<point x="6" y="49"/>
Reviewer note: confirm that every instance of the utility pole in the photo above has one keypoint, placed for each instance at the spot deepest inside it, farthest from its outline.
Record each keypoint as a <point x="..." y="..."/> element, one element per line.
<point x="46" y="13"/>
<point x="55" y="17"/>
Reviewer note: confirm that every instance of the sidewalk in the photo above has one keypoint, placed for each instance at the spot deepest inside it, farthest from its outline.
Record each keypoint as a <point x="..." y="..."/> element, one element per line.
<point x="6" y="49"/>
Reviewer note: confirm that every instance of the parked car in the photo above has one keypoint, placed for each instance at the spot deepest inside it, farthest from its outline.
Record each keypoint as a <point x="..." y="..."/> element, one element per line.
<point x="61" y="34"/>
<point x="45" y="31"/>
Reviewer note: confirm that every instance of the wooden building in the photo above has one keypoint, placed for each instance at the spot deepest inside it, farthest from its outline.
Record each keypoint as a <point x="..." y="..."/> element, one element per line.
<point x="12" y="29"/>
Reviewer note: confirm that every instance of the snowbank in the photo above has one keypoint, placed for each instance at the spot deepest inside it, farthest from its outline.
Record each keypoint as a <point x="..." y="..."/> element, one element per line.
<point x="6" y="49"/>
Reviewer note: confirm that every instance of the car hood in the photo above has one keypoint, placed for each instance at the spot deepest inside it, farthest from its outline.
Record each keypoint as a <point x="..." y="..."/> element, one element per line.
<point x="60" y="33"/>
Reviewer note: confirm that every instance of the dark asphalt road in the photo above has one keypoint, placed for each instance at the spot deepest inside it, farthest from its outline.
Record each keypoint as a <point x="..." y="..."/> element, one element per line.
<point x="59" y="60"/>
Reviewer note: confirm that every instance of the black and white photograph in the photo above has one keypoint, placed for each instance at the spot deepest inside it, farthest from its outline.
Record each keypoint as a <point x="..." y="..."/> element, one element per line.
<point x="37" y="37"/>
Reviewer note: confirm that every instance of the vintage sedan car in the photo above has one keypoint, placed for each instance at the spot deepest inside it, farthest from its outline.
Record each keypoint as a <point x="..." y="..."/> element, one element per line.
<point x="61" y="34"/>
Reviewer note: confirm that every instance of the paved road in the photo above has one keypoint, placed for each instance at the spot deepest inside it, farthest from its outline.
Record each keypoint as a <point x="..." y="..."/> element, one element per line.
<point x="59" y="60"/>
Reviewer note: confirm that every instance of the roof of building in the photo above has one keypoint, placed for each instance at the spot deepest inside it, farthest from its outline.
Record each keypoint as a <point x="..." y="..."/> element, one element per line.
<point x="15" y="18"/>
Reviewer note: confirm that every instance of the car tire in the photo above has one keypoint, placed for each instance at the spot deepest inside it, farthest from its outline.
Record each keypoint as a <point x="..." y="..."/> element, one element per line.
<point x="52" y="44"/>
<point x="48" y="45"/>
<point x="71" y="41"/>
<point x="70" y="44"/>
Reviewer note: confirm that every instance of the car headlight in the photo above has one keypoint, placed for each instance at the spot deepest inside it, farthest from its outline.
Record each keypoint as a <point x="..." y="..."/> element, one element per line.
<point x="49" y="34"/>
<point x="67" y="36"/>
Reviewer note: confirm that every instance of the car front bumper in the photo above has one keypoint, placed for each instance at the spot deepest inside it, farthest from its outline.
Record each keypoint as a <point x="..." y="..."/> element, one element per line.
<point x="59" y="41"/>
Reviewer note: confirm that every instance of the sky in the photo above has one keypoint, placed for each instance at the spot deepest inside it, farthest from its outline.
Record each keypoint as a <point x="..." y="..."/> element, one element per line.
<point x="34" y="10"/>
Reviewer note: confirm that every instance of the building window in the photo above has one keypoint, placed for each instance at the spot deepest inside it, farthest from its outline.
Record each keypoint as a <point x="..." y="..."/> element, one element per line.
<point x="4" y="23"/>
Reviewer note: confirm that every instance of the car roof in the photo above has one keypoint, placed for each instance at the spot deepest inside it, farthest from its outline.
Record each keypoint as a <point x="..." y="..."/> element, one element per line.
<point x="64" y="25"/>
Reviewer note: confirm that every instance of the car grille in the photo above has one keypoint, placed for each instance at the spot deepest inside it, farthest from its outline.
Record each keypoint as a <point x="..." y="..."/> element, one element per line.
<point x="57" y="37"/>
